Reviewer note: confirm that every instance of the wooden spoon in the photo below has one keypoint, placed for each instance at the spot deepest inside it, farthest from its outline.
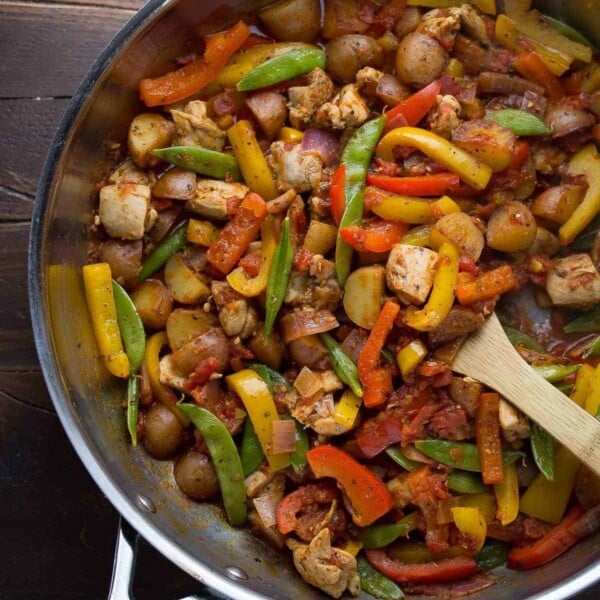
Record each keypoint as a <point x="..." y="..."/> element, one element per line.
<point x="488" y="356"/>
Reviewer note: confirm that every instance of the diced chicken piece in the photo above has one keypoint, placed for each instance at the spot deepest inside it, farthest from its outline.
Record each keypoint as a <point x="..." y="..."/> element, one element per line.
<point x="305" y="100"/>
<point x="318" y="287"/>
<point x="128" y="172"/>
<point x="236" y="315"/>
<point x="346" y="109"/>
<point x="473" y="24"/>
<point x="170" y="375"/>
<point x="295" y="169"/>
<point x="124" y="210"/>
<point x="410" y="271"/>
<point x="513" y="423"/>
<point x="315" y="412"/>
<point x="442" y="24"/>
<point x="330" y="569"/>
<point x="194" y="128"/>
<point x="268" y="499"/>
<point x="212" y="196"/>
<point x="401" y="494"/>
<point x="574" y="282"/>
<point x="367" y="79"/>
<point x="256" y="482"/>
<point x="331" y="382"/>
<point x="444" y="117"/>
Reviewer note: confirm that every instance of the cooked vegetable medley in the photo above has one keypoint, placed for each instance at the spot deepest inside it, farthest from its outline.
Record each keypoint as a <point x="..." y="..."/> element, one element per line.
<point x="309" y="218"/>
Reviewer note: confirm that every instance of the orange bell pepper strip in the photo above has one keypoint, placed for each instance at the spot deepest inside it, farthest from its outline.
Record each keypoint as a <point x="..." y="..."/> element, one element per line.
<point x="337" y="199"/>
<point x="420" y="185"/>
<point x="236" y="236"/>
<point x="180" y="84"/>
<point x="368" y="495"/>
<point x="487" y="435"/>
<point x="531" y="66"/>
<point x="486" y="286"/>
<point x="553" y="544"/>
<point x="414" y="108"/>
<point x="376" y="380"/>
<point x="376" y="236"/>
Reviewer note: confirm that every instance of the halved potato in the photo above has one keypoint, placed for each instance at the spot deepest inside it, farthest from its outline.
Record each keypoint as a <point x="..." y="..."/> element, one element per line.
<point x="148" y="132"/>
<point x="176" y="184"/>
<point x="185" y="285"/>
<point x="153" y="302"/>
<point x="557" y="203"/>
<point x="320" y="237"/>
<point x="363" y="294"/>
<point x="460" y="229"/>
<point x="184" y="324"/>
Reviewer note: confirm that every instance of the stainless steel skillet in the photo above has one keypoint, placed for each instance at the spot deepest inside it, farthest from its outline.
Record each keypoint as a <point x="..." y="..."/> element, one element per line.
<point x="193" y="536"/>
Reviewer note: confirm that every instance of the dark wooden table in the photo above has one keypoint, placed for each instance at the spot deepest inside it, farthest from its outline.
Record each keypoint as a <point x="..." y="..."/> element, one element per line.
<point x="57" y="530"/>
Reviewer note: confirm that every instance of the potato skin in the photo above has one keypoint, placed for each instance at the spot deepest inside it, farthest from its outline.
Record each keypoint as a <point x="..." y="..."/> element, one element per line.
<point x="176" y="184"/>
<point x="363" y="295"/>
<point x="419" y="60"/>
<point x="557" y="204"/>
<point x="153" y="302"/>
<point x="348" y="54"/>
<point x="148" y="132"/>
<point x="163" y="432"/>
<point x="196" y="476"/>
<point x="460" y="229"/>
<point x="511" y="227"/>
<point x="407" y="22"/>
<point x="293" y="20"/>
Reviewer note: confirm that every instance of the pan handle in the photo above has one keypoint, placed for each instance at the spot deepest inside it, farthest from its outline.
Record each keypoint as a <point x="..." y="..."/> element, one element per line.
<point x="121" y="584"/>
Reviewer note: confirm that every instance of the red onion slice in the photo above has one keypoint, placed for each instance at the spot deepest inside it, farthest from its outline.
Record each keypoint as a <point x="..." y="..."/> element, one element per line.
<point x="324" y="143"/>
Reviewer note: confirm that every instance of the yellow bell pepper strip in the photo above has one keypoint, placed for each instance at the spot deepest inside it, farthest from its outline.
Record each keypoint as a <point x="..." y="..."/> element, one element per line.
<point x="585" y="162"/>
<point x="257" y="399"/>
<point x="180" y="84"/>
<point x="467" y="167"/>
<point x="97" y="279"/>
<point x="353" y="547"/>
<point x="346" y="410"/>
<point x="368" y="496"/>
<point x="484" y="503"/>
<point x="411" y="356"/>
<point x="547" y="500"/>
<point x="442" y="294"/>
<point x="470" y="522"/>
<point x="225" y="458"/>
<point x="289" y="134"/>
<point x="160" y="392"/>
<point x="248" y="286"/>
<point x="592" y="400"/>
<point x="486" y="6"/>
<point x="251" y="160"/>
<point x="417" y="236"/>
<point x="583" y="383"/>
<point x="202" y="233"/>
<point x="507" y="496"/>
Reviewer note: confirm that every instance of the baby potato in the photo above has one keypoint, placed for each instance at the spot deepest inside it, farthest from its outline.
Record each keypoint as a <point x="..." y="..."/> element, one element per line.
<point x="153" y="302"/>
<point x="511" y="228"/>
<point x="293" y="20"/>
<point x="460" y="229"/>
<point x="363" y="294"/>
<point x="486" y="140"/>
<point x="419" y="60"/>
<point x="185" y="285"/>
<point x="347" y="54"/>
<point x="148" y="132"/>
<point x="184" y="324"/>
<point x="176" y="184"/>
<point x="557" y="204"/>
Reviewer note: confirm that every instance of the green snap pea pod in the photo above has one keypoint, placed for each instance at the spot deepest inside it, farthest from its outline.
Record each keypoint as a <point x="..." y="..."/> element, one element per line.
<point x="379" y="536"/>
<point x="554" y="373"/>
<point x="226" y="460"/>
<point x="585" y="240"/>
<point x="251" y="452"/>
<point x="202" y="161"/>
<point x="565" y="388"/>
<point x="519" y="122"/>
<point x="395" y="453"/>
<point x="588" y="322"/>
<point x="279" y="274"/>
<point x="356" y="158"/>
<point x="272" y="378"/>
<point x="388" y="355"/>
<point x="492" y="555"/>
<point x="567" y="31"/>
<point x="283" y="67"/>
<point x="464" y="482"/>
<point x="131" y="328"/>
<point x="375" y="583"/>
<point x="342" y="364"/>
<point x="542" y="448"/>
<point x="594" y="350"/>
<point x="460" y="455"/>
<point x="298" y="456"/>
<point x="133" y="407"/>
<point x="175" y="242"/>
<point x="518" y="338"/>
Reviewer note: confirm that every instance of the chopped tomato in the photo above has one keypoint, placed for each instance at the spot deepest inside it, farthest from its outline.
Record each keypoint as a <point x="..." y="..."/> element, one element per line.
<point x="375" y="236"/>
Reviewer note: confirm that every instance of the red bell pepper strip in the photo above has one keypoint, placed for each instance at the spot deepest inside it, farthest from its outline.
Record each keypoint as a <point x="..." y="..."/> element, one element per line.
<point x="376" y="380"/>
<point x="486" y="286"/>
<point x="487" y="434"/>
<point x="236" y="236"/>
<point x="447" y="569"/>
<point x="531" y="66"/>
<point x="414" y="108"/>
<point x="420" y="185"/>
<point x="368" y="495"/>
<point x="180" y="84"/>
<point x="376" y="236"/>
<point x="337" y="200"/>
<point x="520" y="154"/>
<point x="553" y="544"/>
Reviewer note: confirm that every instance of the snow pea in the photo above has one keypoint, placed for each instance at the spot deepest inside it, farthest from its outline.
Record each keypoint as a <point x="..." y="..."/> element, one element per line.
<point x="567" y="31"/>
<point x="554" y="373"/>
<point x="283" y="67"/>
<point x="175" y="242"/>
<point x="519" y="122"/>
<point x="460" y="455"/>
<point x="379" y="536"/>
<point x="376" y="584"/>
<point x="131" y="328"/>
<point x="395" y="453"/>
<point x="594" y="350"/>
<point x="226" y="460"/>
<point x="464" y="482"/>
<point x="133" y="407"/>
<point x="356" y="158"/>
<point x="342" y="364"/>
<point x="492" y="555"/>
<point x="273" y="378"/>
<point x="251" y="452"/>
<point x="518" y="338"/>
<point x="279" y="274"/>
<point x="542" y="448"/>
<point x="588" y="322"/>
<point x="298" y="458"/>
<point x="201" y="160"/>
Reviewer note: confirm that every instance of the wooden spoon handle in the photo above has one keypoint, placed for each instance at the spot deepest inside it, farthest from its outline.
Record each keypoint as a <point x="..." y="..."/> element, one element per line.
<point x="490" y="358"/>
